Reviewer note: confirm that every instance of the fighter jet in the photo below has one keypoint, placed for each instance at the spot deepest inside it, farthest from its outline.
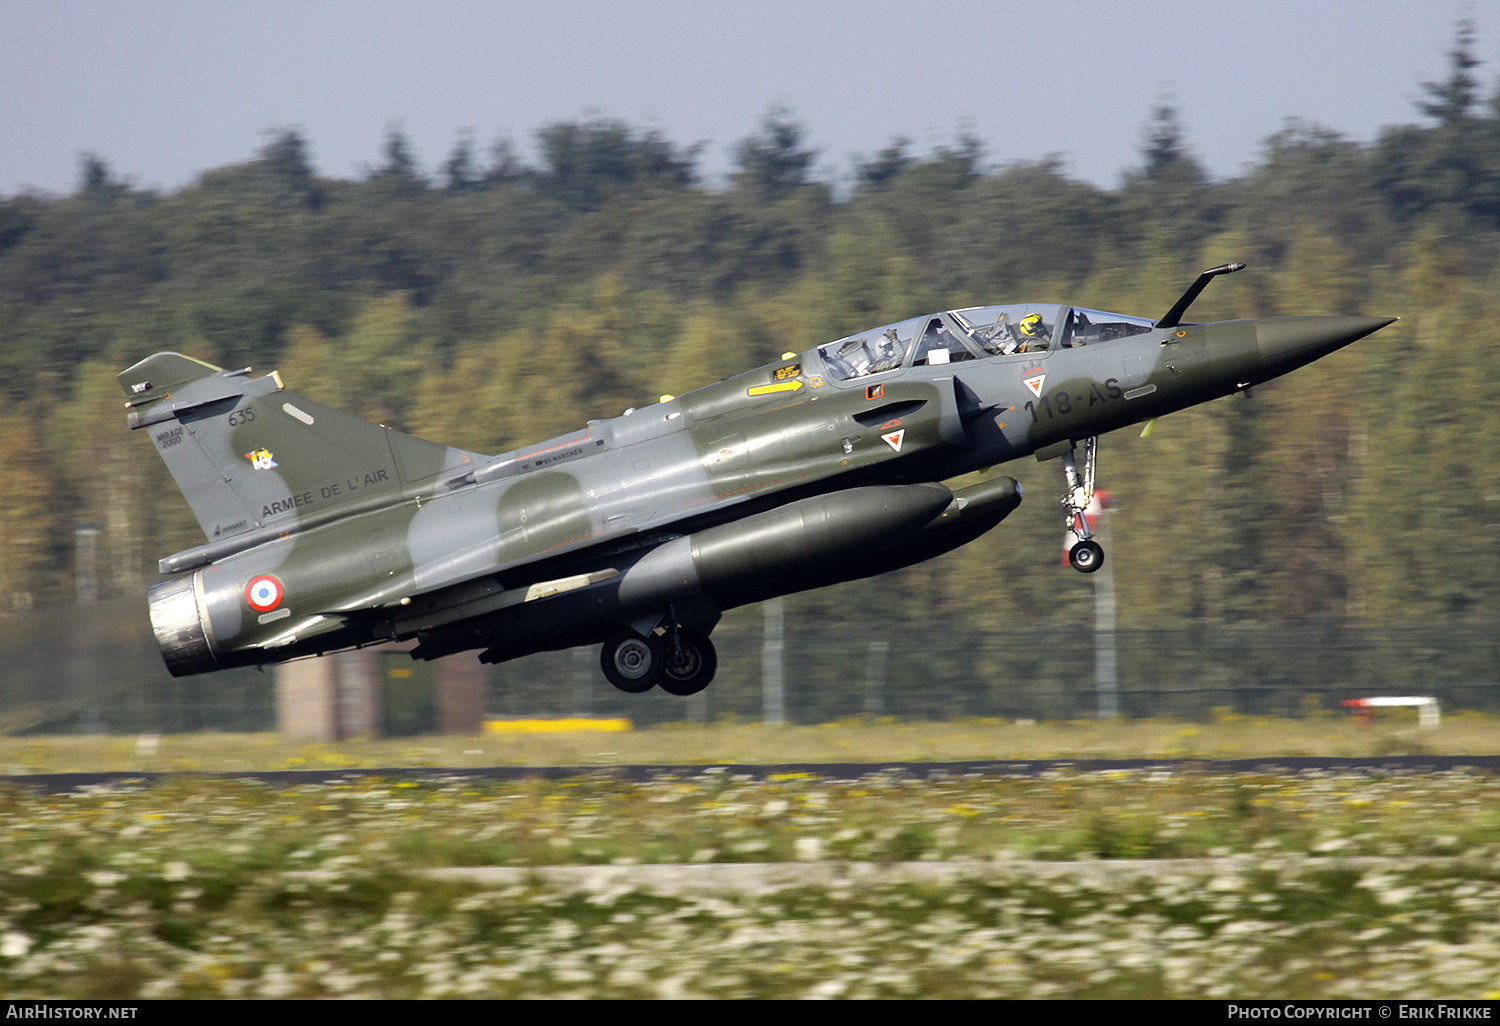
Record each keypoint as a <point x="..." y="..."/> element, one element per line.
<point x="636" y="533"/>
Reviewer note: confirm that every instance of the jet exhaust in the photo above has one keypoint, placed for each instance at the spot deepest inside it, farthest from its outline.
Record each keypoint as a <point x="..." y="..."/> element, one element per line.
<point x="180" y="626"/>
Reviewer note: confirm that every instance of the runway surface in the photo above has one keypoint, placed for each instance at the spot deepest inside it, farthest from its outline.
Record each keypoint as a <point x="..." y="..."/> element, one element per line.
<point x="1294" y="765"/>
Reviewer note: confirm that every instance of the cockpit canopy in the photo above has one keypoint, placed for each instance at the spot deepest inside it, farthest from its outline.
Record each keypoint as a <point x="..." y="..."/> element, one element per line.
<point x="1006" y="330"/>
<point x="874" y="352"/>
<point x="974" y="333"/>
<point x="1085" y="327"/>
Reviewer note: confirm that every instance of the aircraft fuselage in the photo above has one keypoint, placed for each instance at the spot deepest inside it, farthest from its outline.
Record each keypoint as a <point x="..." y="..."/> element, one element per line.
<point x="817" y="468"/>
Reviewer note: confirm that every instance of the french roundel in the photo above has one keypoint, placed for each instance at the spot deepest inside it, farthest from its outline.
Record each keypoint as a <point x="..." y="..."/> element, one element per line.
<point x="263" y="593"/>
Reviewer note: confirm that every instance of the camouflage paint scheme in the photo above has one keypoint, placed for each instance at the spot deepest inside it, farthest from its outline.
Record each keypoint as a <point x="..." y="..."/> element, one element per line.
<point x="326" y="531"/>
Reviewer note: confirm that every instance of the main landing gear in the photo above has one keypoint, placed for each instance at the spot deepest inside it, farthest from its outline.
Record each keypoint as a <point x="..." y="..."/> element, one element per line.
<point x="1086" y="555"/>
<point x="633" y="663"/>
<point x="680" y="659"/>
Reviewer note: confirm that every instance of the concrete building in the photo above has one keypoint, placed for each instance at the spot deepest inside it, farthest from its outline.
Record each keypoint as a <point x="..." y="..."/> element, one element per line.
<point x="378" y="692"/>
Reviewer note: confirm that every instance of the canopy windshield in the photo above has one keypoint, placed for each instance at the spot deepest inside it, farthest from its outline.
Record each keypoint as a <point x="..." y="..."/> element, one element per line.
<point x="1003" y="330"/>
<point x="1085" y="327"/>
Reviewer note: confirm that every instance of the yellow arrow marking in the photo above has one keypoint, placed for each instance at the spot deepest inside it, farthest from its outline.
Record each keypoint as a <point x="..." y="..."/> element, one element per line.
<point x="780" y="386"/>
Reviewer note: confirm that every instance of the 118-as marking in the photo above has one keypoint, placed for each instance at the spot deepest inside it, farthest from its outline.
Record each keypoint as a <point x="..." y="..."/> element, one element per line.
<point x="1064" y="402"/>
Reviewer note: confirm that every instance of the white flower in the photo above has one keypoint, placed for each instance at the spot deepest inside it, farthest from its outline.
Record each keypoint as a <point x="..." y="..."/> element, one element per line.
<point x="14" y="944"/>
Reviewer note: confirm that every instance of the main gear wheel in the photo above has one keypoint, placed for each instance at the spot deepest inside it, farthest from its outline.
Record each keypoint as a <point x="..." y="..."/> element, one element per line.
<point x="691" y="663"/>
<point x="632" y="663"/>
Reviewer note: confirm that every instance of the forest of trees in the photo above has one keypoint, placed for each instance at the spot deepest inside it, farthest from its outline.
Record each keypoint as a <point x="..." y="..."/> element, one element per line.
<point x="496" y="301"/>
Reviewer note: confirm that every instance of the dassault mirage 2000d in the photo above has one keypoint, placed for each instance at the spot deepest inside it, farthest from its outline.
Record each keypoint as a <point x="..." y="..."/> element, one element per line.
<point x="327" y="531"/>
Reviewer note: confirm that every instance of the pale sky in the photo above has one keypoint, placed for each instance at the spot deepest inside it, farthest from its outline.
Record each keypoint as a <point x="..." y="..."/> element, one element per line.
<point x="165" y="89"/>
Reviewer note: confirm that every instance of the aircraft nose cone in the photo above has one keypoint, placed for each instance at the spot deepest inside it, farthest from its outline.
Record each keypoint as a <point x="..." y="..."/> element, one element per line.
<point x="1299" y="340"/>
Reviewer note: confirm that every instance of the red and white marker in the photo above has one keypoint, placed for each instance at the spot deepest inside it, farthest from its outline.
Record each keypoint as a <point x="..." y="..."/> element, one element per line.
<point x="1426" y="706"/>
<point x="264" y="593"/>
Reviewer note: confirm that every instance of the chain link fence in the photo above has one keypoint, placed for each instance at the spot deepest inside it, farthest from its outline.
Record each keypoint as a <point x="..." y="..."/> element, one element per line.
<point x="936" y="671"/>
<point x="95" y="669"/>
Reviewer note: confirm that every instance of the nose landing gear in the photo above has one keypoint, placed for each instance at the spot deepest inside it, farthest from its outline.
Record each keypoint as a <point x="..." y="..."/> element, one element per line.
<point x="1086" y="555"/>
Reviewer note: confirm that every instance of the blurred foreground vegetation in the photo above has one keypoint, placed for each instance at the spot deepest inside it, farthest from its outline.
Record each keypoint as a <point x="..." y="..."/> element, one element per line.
<point x="231" y="889"/>
<point x="500" y="301"/>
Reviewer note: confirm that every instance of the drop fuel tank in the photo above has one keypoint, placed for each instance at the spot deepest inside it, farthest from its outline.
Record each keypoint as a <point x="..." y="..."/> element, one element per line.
<point x="800" y="537"/>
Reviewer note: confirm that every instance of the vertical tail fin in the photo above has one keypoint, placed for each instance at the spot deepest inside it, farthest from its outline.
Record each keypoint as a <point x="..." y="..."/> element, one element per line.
<point x="248" y="454"/>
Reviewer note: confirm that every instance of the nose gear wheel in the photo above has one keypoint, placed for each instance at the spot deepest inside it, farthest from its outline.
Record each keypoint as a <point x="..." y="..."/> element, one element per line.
<point x="1086" y="557"/>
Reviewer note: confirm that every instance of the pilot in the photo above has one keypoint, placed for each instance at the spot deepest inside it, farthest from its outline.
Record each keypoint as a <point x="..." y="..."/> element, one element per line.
<point x="1007" y="336"/>
<point x="1033" y="329"/>
<point x="889" y="352"/>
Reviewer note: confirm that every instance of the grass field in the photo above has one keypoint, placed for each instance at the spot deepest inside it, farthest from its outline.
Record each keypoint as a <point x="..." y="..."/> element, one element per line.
<point x="1325" y="886"/>
<point x="201" y="888"/>
<point x="1228" y="736"/>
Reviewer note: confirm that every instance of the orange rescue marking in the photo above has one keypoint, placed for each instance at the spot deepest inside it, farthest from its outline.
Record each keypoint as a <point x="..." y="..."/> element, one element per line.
<point x="570" y="541"/>
<point x="561" y="445"/>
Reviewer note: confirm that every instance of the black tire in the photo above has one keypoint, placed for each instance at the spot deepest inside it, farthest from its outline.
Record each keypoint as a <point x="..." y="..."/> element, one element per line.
<point x="690" y="665"/>
<point x="632" y="663"/>
<point x="1086" y="556"/>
